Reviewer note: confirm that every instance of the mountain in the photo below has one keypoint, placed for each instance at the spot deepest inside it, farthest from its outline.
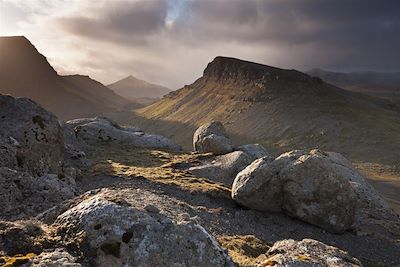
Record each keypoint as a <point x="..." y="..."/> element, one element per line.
<point x="138" y="90"/>
<point x="25" y="72"/>
<point x="282" y="109"/>
<point x="385" y="85"/>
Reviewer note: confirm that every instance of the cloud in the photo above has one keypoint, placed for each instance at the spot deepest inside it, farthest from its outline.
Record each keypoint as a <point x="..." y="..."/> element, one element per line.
<point x="124" y="21"/>
<point x="171" y="41"/>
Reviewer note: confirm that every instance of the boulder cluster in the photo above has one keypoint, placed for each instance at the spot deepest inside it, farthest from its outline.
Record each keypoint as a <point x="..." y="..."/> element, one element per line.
<point x="320" y="188"/>
<point x="32" y="175"/>
<point x="45" y="214"/>
<point x="37" y="179"/>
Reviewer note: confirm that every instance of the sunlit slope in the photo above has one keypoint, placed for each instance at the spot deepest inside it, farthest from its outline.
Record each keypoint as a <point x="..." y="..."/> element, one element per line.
<point x="283" y="109"/>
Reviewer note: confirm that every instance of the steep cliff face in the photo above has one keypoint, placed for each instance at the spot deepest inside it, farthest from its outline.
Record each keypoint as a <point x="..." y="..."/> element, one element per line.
<point x="283" y="109"/>
<point x="25" y="72"/>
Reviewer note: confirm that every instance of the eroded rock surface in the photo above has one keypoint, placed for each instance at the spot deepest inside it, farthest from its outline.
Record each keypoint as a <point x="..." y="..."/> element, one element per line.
<point x="212" y="138"/>
<point x="113" y="233"/>
<point x="56" y="258"/>
<point x="30" y="137"/>
<point x="307" y="253"/>
<point x="321" y="188"/>
<point x="222" y="168"/>
<point x="26" y="195"/>
<point x="255" y="151"/>
<point x="102" y="130"/>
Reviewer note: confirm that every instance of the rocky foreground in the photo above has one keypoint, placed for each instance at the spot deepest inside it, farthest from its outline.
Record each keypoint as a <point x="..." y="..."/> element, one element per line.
<point x="89" y="192"/>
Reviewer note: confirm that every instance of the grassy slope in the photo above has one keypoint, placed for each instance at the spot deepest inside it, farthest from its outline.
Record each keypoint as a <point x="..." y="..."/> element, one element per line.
<point x="335" y="120"/>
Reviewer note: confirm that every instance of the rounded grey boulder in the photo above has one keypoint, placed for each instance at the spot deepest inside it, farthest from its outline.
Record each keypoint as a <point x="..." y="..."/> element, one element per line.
<point x="110" y="232"/>
<point x="212" y="138"/>
<point x="258" y="186"/>
<point x="305" y="185"/>
<point x="318" y="192"/>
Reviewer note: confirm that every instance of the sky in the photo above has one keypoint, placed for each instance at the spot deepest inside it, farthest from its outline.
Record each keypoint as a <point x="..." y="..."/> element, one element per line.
<point x="170" y="42"/>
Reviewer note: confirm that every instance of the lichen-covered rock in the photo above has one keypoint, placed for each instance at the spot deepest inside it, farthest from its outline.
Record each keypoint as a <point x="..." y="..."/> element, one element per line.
<point x="8" y="153"/>
<point x="258" y="186"/>
<point x="255" y="151"/>
<point x="310" y="186"/>
<point x="212" y="138"/>
<point x="56" y="258"/>
<point x="74" y="152"/>
<point x="36" y="134"/>
<point x="112" y="233"/>
<point x="373" y="215"/>
<point x="317" y="190"/>
<point x="25" y="195"/>
<point x="223" y="168"/>
<point x="307" y="253"/>
<point x="101" y="130"/>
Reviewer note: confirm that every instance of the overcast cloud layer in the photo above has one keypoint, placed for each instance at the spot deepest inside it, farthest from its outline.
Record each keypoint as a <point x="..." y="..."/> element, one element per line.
<point x="171" y="41"/>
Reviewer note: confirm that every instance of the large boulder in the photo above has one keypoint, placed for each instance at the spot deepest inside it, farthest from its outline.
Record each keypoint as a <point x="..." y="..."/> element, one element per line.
<point x="110" y="232"/>
<point x="25" y="195"/>
<point x="307" y="253"/>
<point x="224" y="168"/>
<point x="212" y="138"/>
<point x="317" y="190"/>
<point x="311" y="186"/>
<point x="30" y="137"/>
<point x="99" y="130"/>
<point x="259" y="187"/>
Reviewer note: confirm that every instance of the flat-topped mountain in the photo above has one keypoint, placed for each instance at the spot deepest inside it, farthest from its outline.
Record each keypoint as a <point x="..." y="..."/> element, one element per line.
<point x="25" y="72"/>
<point x="282" y="109"/>
<point x="139" y="90"/>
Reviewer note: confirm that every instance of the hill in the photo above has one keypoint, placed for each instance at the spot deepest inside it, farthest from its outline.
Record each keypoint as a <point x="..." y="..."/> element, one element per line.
<point x="138" y="90"/>
<point x="385" y="85"/>
<point x="282" y="109"/>
<point x="27" y="73"/>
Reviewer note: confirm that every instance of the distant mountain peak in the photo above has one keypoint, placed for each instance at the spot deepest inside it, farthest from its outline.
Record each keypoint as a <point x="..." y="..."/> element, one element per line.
<point x="134" y="88"/>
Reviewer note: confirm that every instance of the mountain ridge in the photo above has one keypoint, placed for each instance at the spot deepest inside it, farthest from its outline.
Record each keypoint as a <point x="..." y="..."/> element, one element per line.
<point x="29" y="74"/>
<point x="294" y="110"/>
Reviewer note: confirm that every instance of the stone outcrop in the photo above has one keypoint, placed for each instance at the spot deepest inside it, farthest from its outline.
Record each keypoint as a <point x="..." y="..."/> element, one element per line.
<point x="26" y="195"/>
<point x="56" y="258"/>
<point x="110" y="232"/>
<point x="224" y="168"/>
<point x="74" y="152"/>
<point x="255" y="151"/>
<point x="307" y="253"/>
<point x="312" y="186"/>
<point x="31" y="139"/>
<point x="212" y="138"/>
<point x="99" y="130"/>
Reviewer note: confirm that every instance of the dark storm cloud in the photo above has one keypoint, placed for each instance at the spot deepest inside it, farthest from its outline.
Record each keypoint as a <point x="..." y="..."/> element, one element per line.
<point x="349" y="33"/>
<point x="177" y="38"/>
<point x="125" y="21"/>
<point x="293" y="20"/>
<point x="342" y="33"/>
